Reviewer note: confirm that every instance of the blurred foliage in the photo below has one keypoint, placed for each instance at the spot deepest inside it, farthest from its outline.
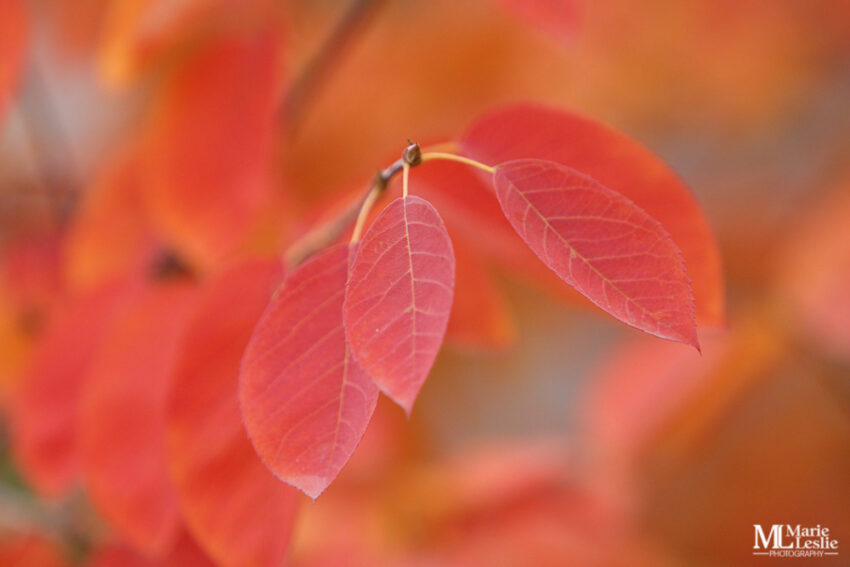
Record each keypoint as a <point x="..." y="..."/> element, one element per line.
<point x="137" y="130"/>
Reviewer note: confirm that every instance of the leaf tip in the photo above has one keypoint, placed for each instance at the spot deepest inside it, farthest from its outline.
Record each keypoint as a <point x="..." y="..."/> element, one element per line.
<point x="689" y="337"/>
<point x="408" y="410"/>
<point x="402" y="400"/>
<point x="311" y="485"/>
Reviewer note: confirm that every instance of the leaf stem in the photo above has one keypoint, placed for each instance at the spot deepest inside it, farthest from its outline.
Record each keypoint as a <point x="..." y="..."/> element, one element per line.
<point x="324" y="235"/>
<point x="405" y="176"/>
<point x="448" y="146"/>
<point x="429" y="156"/>
<point x="358" y="211"/>
<point x="320" y="237"/>
<point x="365" y="208"/>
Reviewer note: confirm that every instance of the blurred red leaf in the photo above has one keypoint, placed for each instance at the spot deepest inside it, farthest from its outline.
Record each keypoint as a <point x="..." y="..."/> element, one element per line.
<point x="618" y="162"/>
<point x="399" y="297"/>
<point x="480" y="316"/>
<point x="186" y="553"/>
<point x="649" y="389"/>
<point x="491" y="477"/>
<point x="206" y="157"/>
<point x="110" y="236"/>
<point x="558" y="18"/>
<point x="45" y="409"/>
<point x="305" y="400"/>
<point x="30" y="288"/>
<point x="639" y="388"/>
<point x="14" y="33"/>
<point x="122" y="428"/>
<point x="516" y="504"/>
<point x="602" y="244"/>
<point x="30" y="550"/>
<point x="31" y="270"/>
<point x="238" y="511"/>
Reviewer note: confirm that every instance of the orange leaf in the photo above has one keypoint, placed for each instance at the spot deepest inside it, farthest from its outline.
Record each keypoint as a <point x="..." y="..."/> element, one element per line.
<point x="110" y="236"/>
<point x="399" y="297"/>
<point x="122" y="429"/>
<point x="305" y="401"/>
<point x="207" y="153"/>
<point x="238" y="511"/>
<point x="138" y="34"/>
<point x="618" y="162"/>
<point x="600" y="243"/>
<point x="16" y="344"/>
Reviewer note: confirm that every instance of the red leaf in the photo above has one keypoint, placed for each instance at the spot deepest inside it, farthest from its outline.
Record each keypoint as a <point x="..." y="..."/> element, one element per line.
<point x="44" y="412"/>
<point x="305" y="401"/>
<point x="237" y="510"/>
<point x="30" y="289"/>
<point x="649" y="396"/>
<point x="13" y="42"/>
<point x="31" y="271"/>
<point x="207" y="154"/>
<point x="600" y="243"/>
<point x="122" y="429"/>
<point x="30" y="550"/>
<point x="618" y="162"/>
<point x="399" y="296"/>
<point x="186" y="553"/>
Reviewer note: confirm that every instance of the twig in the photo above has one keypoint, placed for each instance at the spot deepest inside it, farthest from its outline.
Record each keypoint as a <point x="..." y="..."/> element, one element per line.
<point x="324" y="235"/>
<point x="356" y="17"/>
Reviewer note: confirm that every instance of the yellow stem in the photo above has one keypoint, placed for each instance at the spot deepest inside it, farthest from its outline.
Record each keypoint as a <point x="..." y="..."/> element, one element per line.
<point x="368" y="202"/>
<point x="405" y="176"/>
<point x="450" y="146"/>
<point x="460" y="159"/>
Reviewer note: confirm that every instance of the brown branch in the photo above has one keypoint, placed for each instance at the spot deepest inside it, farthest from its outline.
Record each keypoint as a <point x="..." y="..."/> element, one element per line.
<point x="355" y="19"/>
<point x="324" y="235"/>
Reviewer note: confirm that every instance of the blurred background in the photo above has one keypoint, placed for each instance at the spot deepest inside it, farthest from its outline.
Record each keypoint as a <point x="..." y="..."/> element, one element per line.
<point x="153" y="140"/>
